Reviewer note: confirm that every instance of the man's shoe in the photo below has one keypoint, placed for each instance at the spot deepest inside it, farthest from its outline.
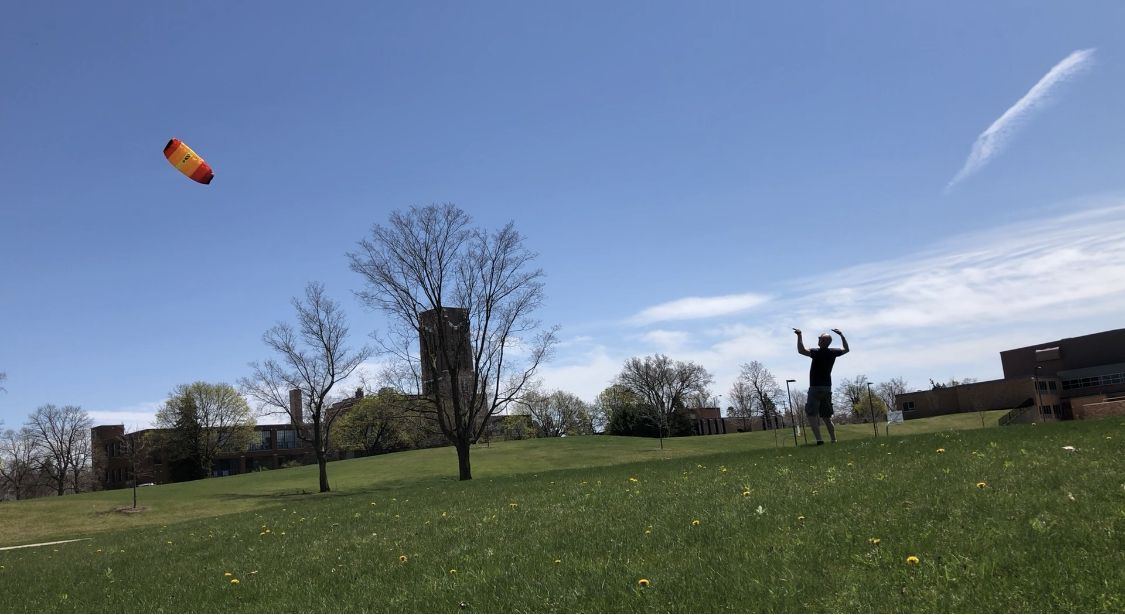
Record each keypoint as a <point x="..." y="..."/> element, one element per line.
<point x="819" y="442"/>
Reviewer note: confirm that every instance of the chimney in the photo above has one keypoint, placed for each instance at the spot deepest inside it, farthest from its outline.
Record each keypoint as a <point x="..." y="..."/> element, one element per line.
<point x="295" y="413"/>
<point x="359" y="393"/>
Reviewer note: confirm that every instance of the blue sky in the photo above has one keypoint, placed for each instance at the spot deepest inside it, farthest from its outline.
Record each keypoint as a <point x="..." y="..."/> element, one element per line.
<point x="695" y="177"/>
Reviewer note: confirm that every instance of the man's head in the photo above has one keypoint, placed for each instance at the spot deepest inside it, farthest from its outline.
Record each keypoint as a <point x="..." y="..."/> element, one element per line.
<point x="824" y="340"/>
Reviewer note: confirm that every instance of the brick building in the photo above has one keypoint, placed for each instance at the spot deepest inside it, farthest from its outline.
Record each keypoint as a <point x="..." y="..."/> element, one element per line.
<point x="1071" y="378"/>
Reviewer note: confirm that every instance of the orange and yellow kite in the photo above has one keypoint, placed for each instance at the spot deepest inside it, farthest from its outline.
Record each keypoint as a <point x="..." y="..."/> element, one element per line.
<point x="188" y="162"/>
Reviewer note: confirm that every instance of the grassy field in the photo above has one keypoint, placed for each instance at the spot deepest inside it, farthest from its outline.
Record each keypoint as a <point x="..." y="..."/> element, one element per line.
<point x="84" y="515"/>
<point x="1004" y="519"/>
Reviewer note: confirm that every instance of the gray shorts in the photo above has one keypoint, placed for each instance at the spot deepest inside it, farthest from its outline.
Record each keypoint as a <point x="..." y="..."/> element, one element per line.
<point x="820" y="402"/>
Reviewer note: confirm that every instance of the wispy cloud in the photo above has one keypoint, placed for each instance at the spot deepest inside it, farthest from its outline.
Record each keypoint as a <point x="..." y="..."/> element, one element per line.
<point x="690" y="308"/>
<point x="992" y="141"/>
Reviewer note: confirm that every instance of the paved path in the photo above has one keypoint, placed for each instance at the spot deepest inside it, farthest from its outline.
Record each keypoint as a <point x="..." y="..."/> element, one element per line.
<point x="43" y="544"/>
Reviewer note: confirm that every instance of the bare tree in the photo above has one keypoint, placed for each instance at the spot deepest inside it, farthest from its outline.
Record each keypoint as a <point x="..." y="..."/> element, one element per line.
<point x="81" y="468"/>
<point x="851" y="394"/>
<point x="663" y="385"/>
<point x="60" y="433"/>
<point x="889" y="389"/>
<point x="313" y="361"/>
<point x="19" y="462"/>
<point x="756" y="393"/>
<point x="137" y="447"/>
<point x="459" y="301"/>
<point x="3" y="377"/>
<point x="201" y="420"/>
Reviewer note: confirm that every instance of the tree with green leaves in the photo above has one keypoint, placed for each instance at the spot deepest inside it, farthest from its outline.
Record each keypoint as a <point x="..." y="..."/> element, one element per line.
<point x="199" y="421"/>
<point x="375" y="424"/>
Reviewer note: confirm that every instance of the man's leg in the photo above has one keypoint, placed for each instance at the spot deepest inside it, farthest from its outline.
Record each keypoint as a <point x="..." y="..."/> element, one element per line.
<point x="831" y="428"/>
<point x="814" y="423"/>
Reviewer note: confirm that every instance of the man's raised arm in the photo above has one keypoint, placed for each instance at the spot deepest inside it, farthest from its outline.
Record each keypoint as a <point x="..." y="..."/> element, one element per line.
<point x="842" y="339"/>
<point x="801" y="344"/>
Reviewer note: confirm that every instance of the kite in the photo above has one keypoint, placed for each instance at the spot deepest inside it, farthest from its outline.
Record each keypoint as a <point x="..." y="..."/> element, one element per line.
<point x="188" y="162"/>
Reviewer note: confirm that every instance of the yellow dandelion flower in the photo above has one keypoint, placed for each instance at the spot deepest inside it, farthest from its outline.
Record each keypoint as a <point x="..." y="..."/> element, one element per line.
<point x="402" y="558"/>
<point x="632" y="480"/>
<point x="643" y="582"/>
<point x="723" y="468"/>
<point x="373" y="503"/>
<point x="648" y="531"/>
<point x="443" y="513"/>
<point x="558" y="561"/>
<point x="849" y="464"/>
<point x="912" y="560"/>
<point x="261" y="533"/>
<point x="234" y="581"/>
<point x="873" y="541"/>
<point x="226" y="574"/>
<point x="747" y="492"/>
<point x="512" y="505"/>
<point x="282" y="533"/>
<point x="169" y="542"/>
<point x="695" y="523"/>
<point x="452" y="571"/>
<point x="99" y="550"/>
<point x="800" y="517"/>
<point x="941" y="450"/>
<point x="980" y="485"/>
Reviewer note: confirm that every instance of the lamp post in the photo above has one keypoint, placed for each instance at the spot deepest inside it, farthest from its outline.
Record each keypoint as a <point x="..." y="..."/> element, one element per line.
<point x="789" y="396"/>
<point x="871" y="406"/>
<point x="1038" y="395"/>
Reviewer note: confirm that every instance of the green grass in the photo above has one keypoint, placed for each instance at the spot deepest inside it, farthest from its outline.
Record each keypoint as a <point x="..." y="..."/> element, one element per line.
<point x="575" y="539"/>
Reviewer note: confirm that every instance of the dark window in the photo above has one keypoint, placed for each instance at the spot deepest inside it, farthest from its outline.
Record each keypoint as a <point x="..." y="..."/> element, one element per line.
<point x="1046" y="410"/>
<point x="1057" y="408"/>
<point x="908" y="406"/>
<point x="286" y="438"/>
<point x="157" y="459"/>
<point x="1051" y="385"/>
<point x="1042" y="385"/>
<point x="262" y="442"/>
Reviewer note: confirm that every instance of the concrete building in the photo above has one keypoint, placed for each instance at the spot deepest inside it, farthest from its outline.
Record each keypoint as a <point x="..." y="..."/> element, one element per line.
<point x="1071" y="378"/>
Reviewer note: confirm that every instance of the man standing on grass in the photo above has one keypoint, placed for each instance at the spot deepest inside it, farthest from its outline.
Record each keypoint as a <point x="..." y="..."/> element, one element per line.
<point x="820" y="381"/>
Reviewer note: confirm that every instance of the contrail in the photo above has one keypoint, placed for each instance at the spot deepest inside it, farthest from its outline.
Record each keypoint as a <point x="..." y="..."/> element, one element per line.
<point x="993" y="140"/>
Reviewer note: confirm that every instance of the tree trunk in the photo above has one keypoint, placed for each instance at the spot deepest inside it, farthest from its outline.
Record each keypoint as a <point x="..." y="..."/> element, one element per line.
<point x="322" y="461"/>
<point x="463" y="460"/>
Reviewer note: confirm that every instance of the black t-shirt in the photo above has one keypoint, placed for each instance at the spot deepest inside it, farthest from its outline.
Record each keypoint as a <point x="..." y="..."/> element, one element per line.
<point x="820" y="374"/>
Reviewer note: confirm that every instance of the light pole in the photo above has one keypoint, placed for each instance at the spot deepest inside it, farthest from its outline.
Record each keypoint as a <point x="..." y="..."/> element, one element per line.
<point x="871" y="406"/>
<point x="789" y="395"/>
<point x="1038" y="395"/>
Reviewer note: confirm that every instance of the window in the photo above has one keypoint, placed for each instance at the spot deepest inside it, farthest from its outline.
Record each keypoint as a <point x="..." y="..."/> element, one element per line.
<point x="1057" y="408"/>
<point x="1043" y="385"/>
<point x="1051" y="385"/>
<point x="908" y="406"/>
<point x="1046" y="410"/>
<point x="156" y="458"/>
<point x="286" y="438"/>
<point x="261" y="441"/>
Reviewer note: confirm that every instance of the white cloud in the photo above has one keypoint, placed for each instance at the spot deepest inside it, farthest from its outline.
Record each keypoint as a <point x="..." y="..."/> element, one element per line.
<point x="993" y="140"/>
<point x="690" y="308"/>
<point x="666" y="341"/>
<point x="141" y="415"/>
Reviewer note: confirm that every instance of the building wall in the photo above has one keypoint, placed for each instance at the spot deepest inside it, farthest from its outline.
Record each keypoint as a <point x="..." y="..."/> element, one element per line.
<point x="1104" y="348"/>
<point x="455" y="329"/>
<point x="1102" y="410"/>
<point x="114" y="466"/>
<point x="976" y="396"/>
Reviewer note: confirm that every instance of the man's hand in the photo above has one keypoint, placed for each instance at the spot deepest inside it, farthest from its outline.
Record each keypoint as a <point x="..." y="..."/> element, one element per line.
<point x="837" y="332"/>
<point x="797" y="331"/>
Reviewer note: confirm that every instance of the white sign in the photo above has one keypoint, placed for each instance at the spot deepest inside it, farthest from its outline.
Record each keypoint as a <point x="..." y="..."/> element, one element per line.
<point x="894" y="416"/>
